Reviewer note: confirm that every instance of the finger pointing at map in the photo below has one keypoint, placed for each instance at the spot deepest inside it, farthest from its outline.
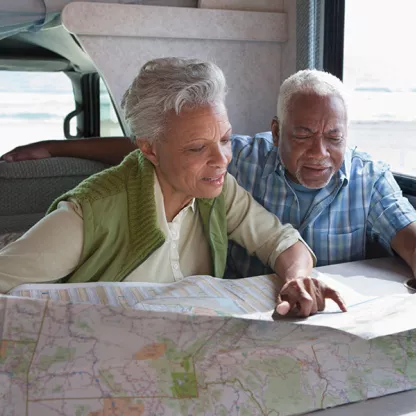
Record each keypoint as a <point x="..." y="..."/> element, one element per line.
<point x="307" y="295"/>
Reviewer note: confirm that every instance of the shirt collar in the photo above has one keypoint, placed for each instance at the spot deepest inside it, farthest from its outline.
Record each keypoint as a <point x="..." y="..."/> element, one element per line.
<point x="274" y="164"/>
<point x="346" y="166"/>
<point x="192" y="205"/>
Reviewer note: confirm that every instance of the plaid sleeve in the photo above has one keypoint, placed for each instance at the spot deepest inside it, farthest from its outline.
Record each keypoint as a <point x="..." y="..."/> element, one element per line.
<point x="239" y="144"/>
<point x="249" y="155"/>
<point x="389" y="210"/>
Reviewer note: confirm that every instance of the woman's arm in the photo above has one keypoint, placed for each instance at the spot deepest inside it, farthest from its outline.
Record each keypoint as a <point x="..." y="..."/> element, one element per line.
<point x="50" y="250"/>
<point x="111" y="150"/>
<point x="280" y="246"/>
<point x="262" y="234"/>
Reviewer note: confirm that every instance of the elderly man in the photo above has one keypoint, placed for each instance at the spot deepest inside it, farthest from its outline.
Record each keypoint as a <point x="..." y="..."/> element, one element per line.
<point x="302" y="171"/>
<point x="337" y="198"/>
<point x="168" y="210"/>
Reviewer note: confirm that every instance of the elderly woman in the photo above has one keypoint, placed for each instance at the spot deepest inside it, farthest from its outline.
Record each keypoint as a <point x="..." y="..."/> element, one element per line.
<point x="168" y="210"/>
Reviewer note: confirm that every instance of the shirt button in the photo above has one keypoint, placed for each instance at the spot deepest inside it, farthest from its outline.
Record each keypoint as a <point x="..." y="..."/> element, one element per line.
<point x="173" y="245"/>
<point x="176" y="266"/>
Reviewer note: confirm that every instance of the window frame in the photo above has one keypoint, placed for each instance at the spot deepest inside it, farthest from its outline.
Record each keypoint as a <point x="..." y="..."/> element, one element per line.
<point x="116" y="109"/>
<point x="87" y="102"/>
<point x="333" y="62"/>
<point x="334" y="26"/>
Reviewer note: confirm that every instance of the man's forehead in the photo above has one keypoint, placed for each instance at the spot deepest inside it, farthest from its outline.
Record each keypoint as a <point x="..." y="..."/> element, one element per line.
<point x="312" y="105"/>
<point x="308" y="96"/>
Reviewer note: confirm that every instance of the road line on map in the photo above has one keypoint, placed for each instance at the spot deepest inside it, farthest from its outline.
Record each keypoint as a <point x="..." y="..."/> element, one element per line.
<point x="33" y="355"/>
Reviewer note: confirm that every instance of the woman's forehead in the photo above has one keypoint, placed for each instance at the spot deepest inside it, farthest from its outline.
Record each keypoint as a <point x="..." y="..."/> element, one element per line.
<point x="207" y="119"/>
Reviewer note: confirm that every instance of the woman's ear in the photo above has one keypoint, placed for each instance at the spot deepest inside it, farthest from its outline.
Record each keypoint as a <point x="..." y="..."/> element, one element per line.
<point x="275" y="131"/>
<point x="149" y="150"/>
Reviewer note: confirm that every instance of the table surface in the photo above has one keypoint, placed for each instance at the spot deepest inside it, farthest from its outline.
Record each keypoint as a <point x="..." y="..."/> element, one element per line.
<point x="378" y="277"/>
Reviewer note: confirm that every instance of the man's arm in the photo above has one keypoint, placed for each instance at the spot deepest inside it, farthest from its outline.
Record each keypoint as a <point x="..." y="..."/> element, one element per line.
<point x="404" y="244"/>
<point x="392" y="219"/>
<point x="111" y="150"/>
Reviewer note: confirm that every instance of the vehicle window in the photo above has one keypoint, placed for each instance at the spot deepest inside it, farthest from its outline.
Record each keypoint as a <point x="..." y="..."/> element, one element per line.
<point x="109" y="124"/>
<point x="33" y="106"/>
<point x="379" y="71"/>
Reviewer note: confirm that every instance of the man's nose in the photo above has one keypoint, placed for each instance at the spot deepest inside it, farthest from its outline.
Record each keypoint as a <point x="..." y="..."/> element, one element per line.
<point x="318" y="148"/>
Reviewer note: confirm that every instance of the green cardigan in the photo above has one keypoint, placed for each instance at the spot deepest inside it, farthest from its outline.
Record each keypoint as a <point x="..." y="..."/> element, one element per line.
<point x="120" y="225"/>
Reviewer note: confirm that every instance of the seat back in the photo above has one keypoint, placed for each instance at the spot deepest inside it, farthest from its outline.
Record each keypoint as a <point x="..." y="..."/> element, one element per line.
<point x="28" y="188"/>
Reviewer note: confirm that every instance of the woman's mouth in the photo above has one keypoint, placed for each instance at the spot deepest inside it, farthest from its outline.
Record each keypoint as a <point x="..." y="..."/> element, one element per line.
<point x="215" y="180"/>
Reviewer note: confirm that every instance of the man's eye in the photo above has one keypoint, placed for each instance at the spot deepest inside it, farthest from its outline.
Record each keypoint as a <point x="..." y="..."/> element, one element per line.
<point x="335" y="138"/>
<point x="225" y="141"/>
<point x="302" y="136"/>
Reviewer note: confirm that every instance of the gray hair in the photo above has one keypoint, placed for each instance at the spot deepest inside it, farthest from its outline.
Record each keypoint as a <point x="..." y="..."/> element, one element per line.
<point x="167" y="84"/>
<point x="309" y="81"/>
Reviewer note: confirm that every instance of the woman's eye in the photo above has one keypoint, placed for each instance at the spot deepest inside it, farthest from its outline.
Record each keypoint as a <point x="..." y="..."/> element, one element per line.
<point x="197" y="149"/>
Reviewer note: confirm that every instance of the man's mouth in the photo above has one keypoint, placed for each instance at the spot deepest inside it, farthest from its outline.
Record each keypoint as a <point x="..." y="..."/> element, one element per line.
<point x="316" y="171"/>
<point x="317" y="167"/>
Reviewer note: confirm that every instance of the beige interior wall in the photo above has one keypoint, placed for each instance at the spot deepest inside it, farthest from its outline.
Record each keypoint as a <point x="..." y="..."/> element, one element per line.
<point x="288" y="49"/>
<point x="246" y="5"/>
<point x="247" y="45"/>
<point x="169" y="3"/>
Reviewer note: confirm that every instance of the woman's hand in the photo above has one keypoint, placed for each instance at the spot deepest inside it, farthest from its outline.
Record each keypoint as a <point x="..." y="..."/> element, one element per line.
<point x="307" y="295"/>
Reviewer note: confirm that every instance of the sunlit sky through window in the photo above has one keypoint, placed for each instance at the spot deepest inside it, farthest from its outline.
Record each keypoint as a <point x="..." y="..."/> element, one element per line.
<point x="380" y="43"/>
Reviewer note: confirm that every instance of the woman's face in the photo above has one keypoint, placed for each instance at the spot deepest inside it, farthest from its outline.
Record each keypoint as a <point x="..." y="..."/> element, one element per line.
<point x="192" y="158"/>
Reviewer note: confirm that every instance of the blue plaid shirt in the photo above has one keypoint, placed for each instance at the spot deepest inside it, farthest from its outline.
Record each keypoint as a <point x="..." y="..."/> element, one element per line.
<point x="362" y="201"/>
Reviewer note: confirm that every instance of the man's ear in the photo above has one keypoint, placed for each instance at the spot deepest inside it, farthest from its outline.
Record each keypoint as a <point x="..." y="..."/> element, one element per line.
<point x="148" y="149"/>
<point x="275" y="131"/>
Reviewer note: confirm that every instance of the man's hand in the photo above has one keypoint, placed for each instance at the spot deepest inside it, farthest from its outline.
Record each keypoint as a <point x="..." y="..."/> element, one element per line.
<point x="33" y="151"/>
<point x="307" y="295"/>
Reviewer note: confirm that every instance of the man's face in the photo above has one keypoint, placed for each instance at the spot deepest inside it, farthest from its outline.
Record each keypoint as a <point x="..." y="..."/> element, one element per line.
<point x="192" y="158"/>
<point x="312" y="139"/>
